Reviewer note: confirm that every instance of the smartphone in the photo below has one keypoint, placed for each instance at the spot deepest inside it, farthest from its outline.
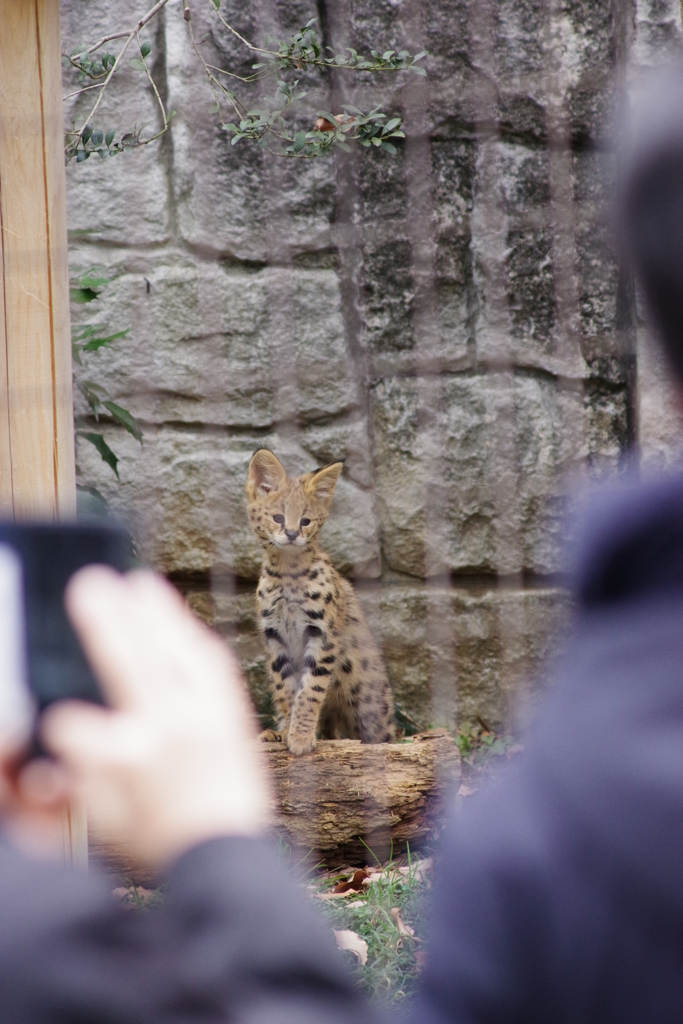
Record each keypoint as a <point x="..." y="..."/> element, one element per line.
<point x="46" y="650"/>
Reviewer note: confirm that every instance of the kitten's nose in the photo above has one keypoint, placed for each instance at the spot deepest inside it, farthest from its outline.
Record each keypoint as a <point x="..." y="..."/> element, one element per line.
<point x="291" y="534"/>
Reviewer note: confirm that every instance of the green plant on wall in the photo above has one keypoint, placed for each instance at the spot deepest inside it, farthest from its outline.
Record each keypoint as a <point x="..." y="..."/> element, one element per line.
<point x="270" y="125"/>
<point x="87" y="340"/>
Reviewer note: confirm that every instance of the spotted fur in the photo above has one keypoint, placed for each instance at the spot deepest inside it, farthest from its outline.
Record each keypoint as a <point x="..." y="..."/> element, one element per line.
<point x="326" y="673"/>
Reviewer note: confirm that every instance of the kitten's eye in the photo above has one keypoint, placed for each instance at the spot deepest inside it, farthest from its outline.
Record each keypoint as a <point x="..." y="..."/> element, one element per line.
<point x="305" y="522"/>
<point x="279" y="519"/>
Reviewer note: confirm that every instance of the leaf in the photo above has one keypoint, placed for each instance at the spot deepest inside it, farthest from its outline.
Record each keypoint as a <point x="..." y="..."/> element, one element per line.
<point x="89" y="392"/>
<point x="346" y="939"/>
<point x="146" y="49"/>
<point x="326" y="897"/>
<point x="87" y="132"/>
<point x="125" y="418"/>
<point x="95" y="343"/>
<point x="466" y="790"/>
<point x="418" y="71"/>
<point x="109" y="137"/>
<point x="83" y="295"/>
<point x="388" y="55"/>
<point x="90" y="280"/>
<point x="299" y="141"/>
<point x="90" y="502"/>
<point x="390" y="125"/>
<point x="81" y="156"/>
<point x="388" y="146"/>
<point x="97" y="138"/>
<point x="216" y="3"/>
<point x="354" y="884"/>
<point x="403" y="928"/>
<point x="419" y="56"/>
<point x="103" y="448"/>
<point x="137" y="63"/>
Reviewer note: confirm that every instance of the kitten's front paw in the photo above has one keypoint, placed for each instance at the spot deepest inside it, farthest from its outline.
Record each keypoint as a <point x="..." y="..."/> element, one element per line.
<point x="301" y="744"/>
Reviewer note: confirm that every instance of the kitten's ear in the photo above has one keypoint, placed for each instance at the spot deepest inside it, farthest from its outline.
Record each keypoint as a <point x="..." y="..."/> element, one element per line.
<point x="266" y="474"/>
<point x="322" y="483"/>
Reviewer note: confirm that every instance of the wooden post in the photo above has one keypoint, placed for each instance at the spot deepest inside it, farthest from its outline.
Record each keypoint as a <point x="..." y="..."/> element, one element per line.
<point x="37" y="463"/>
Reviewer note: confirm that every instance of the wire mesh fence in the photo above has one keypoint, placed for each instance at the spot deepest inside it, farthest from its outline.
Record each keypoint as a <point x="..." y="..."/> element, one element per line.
<point x="451" y="318"/>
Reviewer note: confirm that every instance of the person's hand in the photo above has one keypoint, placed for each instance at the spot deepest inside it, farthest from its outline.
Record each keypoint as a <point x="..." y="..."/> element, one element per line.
<point x="173" y="761"/>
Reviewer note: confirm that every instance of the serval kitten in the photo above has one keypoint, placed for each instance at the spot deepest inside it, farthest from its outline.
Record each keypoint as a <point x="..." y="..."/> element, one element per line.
<point x="326" y="674"/>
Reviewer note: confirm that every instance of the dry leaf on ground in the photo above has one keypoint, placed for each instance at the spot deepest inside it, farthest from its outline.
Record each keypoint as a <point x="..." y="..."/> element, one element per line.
<point x="355" y="883"/>
<point x="418" y="868"/>
<point x="335" y="895"/>
<point x="346" y="939"/>
<point x="467" y="790"/>
<point x="403" y="928"/>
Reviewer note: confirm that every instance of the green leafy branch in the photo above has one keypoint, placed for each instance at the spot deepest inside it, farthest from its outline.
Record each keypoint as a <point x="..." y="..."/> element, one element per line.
<point x="304" y="49"/>
<point x="268" y="127"/>
<point x="329" y="130"/>
<point x="83" y="142"/>
<point x="89" y="338"/>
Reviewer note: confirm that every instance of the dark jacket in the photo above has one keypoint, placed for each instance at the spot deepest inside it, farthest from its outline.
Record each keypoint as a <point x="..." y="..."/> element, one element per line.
<point x="559" y="893"/>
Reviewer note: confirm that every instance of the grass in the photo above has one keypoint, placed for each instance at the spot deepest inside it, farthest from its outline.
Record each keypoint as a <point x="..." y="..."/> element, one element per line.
<point x="395" y="960"/>
<point x="394" y="957"/>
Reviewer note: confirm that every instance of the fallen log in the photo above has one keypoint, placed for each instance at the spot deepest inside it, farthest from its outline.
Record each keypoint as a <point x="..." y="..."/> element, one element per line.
<point x="385" y="794"/>
<point x="346" y="794"/>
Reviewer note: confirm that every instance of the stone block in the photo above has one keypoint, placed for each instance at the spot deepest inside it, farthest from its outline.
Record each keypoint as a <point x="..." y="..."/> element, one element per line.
<point x="517" y="250"/>
<point x="402" y="333"/>
<point x="657" y="32"/>
<point x="234" y="201"/>
<point x="519" y="30"/>
<point x="183" y="495"/>
<point x="471" y="472"/>
<point x="221" y="346"/>
<point x="453" y="653"/>
<point x="122" y="199"/>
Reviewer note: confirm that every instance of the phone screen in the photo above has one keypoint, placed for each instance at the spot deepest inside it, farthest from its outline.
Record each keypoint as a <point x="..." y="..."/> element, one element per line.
<point x="56" y="667"/>
<point x="17" y="709"/>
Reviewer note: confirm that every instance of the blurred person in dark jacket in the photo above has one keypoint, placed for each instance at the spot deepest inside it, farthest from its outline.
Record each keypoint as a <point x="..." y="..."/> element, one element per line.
<point x="559" y="891"/>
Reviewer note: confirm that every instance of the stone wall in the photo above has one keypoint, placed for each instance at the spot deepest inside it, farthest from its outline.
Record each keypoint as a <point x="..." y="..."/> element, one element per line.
<point x="452" y="321"/>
